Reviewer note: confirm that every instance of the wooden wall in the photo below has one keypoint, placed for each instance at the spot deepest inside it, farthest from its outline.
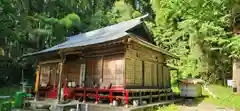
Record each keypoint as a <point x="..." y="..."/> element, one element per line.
<point x="131" y="66"/>
<point x="145" y="68"/>
<point x="49" y="74"/>
<point x="113" y="70"/>
<point x="105" y="65"/>
<point x="71" y="71"/>
<point x="94" y="70"/>
<point x="105" y="70"/>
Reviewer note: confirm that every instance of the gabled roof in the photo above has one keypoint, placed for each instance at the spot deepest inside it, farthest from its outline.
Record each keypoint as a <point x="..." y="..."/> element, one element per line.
<point x="101" y="35"/>
<point x="109" y="33"/>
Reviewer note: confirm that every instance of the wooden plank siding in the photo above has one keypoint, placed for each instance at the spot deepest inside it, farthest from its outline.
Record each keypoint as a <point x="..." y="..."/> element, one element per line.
<point x="49" y="74"/>
<point x="127" y="65"/>
<point x="94" y="71"/>
<point x="119" y="70"/>
<point x="129" y="71"/>
<point x="160" y="75"/>
<point x="105" y="70"/>
<point x="71" y="71"/>
<point x="138" y="68"/>
<point x="145" y="68"/>
<point x="165" y="77"/>
<point x="154" y="74"/>
<point x="147" y="74"/>
<point x="105" y="65"/>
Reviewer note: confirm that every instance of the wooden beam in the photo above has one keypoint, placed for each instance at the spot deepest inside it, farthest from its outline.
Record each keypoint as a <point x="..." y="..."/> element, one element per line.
<point x="99" y="55"/>
<point x="117" y="41"/>
<point x="50" y="61"/>
<point x="75" y="52"/>
<point x="104" y="50"/>
<point x="105" y="44"/>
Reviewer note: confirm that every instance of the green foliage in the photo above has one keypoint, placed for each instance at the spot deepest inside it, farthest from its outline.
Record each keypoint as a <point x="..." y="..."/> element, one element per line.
<point x="196" y="31"/>
<point x="234" y="45"/>
<point x="70" y="20"/>
<point x="58" y="29"/>
<point x="124" y="11"/>
<point x="1" y="52"/>
<point x="29" y="26"/>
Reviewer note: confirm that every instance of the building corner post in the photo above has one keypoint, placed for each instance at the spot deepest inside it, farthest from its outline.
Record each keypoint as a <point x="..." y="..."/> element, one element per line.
<point x="37" y="82"/>
<point x="59" y="93"/>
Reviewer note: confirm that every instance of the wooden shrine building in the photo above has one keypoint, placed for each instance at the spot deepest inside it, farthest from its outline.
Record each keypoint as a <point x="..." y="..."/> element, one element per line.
<point x="117" y="62"/>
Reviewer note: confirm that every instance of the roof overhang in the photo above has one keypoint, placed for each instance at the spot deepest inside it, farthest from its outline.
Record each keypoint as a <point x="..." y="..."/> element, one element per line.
<point x="105" y="35"/>
<point x="78" y="48"/>
<point x="151" y="46"/>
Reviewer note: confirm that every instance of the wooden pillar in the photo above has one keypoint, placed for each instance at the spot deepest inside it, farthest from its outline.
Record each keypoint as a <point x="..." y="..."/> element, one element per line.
<point x="140" y="98"/>
<point x="38" y="72"/>
<point x="143" y="74"/>
<point x="102" y="64"/>
<point x="150" y="99"/>
<point x="59" y="99"/>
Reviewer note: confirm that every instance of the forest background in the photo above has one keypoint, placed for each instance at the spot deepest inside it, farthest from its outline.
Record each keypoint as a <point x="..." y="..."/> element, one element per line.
<point x="201" y="32"/>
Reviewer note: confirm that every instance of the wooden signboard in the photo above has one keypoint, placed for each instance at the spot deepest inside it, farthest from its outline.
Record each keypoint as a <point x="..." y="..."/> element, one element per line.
<point x="82" y="74"/>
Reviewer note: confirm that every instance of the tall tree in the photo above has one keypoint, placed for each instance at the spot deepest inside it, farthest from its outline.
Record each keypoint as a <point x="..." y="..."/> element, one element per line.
<point x="196" y="31"/>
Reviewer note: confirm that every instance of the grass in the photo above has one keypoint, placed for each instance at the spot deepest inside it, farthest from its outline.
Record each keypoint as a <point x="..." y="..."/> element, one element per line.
<point x="7" y="91"/>
<point x="225" y="96"/>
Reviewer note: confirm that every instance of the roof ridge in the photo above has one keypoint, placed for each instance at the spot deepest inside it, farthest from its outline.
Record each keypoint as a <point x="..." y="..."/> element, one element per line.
<point x="111" y="32"/>
<point x="112" y="25"/>
<point x="106" y="27"/>
<point x="138" y="18"/>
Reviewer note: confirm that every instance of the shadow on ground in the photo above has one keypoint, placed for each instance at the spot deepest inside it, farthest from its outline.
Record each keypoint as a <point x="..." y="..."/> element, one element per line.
<point x="188" y="101"/>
